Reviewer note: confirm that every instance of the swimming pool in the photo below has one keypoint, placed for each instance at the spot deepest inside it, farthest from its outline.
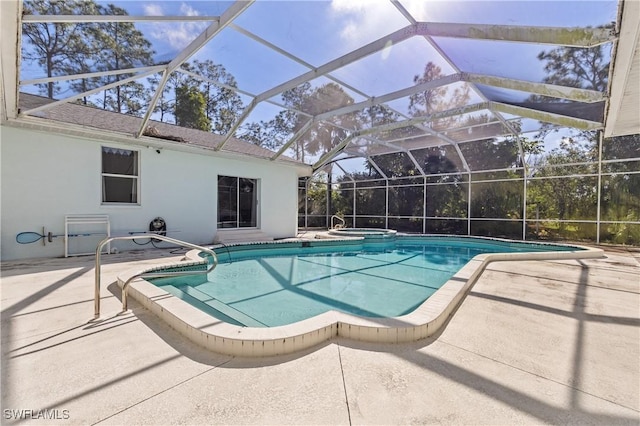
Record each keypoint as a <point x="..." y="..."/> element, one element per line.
<point x="253" y="339"/>
<point x="268" y="286"/>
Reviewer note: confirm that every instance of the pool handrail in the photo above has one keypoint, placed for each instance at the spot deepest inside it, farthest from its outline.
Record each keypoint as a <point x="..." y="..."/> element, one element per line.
<point x="341" y="225"/>
<point x="149" y="274"/>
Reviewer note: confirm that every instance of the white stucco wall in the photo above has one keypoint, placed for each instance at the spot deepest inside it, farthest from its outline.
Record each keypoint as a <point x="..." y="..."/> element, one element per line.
<point x="45" y="176"/>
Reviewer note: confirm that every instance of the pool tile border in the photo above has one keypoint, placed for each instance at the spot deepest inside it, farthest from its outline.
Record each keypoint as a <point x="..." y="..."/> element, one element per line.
<point x="229" y="339"/>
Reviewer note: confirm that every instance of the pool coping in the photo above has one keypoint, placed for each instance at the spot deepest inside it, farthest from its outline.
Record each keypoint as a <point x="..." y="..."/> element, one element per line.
<point x="229" y="339"/>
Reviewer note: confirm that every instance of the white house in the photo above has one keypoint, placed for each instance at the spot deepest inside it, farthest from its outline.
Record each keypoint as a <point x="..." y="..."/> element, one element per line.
<point x="76" y="160"/>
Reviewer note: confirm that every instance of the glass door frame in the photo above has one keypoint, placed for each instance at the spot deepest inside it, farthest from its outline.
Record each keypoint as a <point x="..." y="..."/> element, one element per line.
<point x="254" y="209"/>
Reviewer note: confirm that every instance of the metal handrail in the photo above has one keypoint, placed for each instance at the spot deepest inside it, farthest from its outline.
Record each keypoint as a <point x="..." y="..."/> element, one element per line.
<point x="335" y="216"/>
<point x="146" y="274"/>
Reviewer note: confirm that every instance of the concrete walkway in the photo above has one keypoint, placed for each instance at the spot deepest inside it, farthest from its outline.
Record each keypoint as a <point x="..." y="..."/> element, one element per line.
<point x="533" y="343"/>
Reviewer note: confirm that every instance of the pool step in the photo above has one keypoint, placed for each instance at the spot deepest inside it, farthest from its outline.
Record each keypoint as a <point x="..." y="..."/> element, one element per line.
<point x="230" y="311"/>
<point x="212" y="306"/>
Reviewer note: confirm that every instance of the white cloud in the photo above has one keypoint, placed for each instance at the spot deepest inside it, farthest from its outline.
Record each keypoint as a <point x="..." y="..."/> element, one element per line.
<point x="418" y="8"/>
<point x="152" y="9"/>
<point x="178" y="34"/>
<point x="363" y="21"/>
<point x="188" y="10"/>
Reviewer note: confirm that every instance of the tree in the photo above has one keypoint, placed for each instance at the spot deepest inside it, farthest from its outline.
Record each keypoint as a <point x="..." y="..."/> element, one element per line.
<point x="190" y="109"/>
<point x="437" y="99"/>
<point x="320" y="138"/>
<point x="165" y="106"/>
<point x="323" y="135"/>
<point x="257" y="133"/>
<point x="326" y="134"/>
<point x="119" y="45"/>
<point x="287" y="122"/>
<point x="556" y="192"/>
<point x="423" y="103"/>
<point x="54" y="46"/>
<point x="429" y="101"/>
<point x="585" y="68"/>
<point x="223" y="105"/>
<point x="492" y="153"/>
<point x="396" y="164"/>
<point x="75" y="48"/>
<point x="377" y="115"/>
<point x="620" y="199"/>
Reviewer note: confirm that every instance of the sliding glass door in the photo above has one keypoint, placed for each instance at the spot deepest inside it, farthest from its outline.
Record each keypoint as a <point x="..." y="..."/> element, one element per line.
<point x="237" y="202"/>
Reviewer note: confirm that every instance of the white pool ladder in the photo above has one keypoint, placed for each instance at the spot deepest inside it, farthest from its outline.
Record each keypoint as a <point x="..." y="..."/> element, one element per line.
<point x="339" y="225"/>
<point x="149" y="274"/>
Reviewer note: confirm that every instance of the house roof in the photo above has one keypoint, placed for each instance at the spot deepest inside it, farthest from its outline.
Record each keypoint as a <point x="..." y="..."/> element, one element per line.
<point x="97" y="118"/>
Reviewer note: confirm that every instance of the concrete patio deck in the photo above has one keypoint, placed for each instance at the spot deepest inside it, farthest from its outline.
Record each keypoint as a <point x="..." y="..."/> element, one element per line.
<point x="537" y="342"/>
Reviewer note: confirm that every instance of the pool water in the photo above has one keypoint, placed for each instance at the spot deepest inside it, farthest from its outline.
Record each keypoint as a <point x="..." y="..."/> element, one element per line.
<point x="263" y="290"/>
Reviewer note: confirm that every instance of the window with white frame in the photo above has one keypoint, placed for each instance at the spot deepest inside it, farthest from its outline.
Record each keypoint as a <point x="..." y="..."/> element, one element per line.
<point x="120" y="176"/>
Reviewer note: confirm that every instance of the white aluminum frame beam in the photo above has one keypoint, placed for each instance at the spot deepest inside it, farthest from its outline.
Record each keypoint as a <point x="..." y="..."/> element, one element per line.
<point x="328" y="156"/>
<point x="473" y="126"/>
<point x="377" y="167"/>
<point x="548" y="117"/>
<point x="445" y="134"/>
<point x="397" y="125"/>
<point x="77" y="19"/>
<point x="416" y="121"/>
<point x="451" y="142"/>
<point x="362" y="52"/>
<point x="10" y="56"/>
<point x="543" y="89"/>
<point x="575" y="37"/>
<point x="505" y="132"/>
<point x="378" y="100"/>
<point x="87" y="93"/>
<point x="446" y="57"/>
<point x="409" y="154"/>
<point x="44" y="80"/>
<point x="570" y="37"/>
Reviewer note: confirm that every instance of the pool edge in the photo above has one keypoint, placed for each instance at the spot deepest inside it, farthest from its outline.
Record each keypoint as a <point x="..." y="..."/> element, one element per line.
<point x="425" y="321"/>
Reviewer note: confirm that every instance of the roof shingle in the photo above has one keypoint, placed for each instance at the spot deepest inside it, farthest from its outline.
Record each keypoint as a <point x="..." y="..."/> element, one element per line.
<point x="89" y="116"/>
